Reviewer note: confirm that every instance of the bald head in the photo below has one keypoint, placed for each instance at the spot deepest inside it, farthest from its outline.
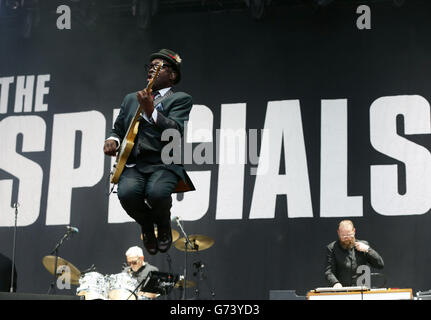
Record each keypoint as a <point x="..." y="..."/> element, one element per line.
<point x="346" y="224"/>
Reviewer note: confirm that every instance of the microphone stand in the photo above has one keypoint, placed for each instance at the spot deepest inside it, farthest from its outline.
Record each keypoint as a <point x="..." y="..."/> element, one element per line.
<point x="55" y="251"/>
<point x="13" y="249"/>
<point x="186" y="243"/>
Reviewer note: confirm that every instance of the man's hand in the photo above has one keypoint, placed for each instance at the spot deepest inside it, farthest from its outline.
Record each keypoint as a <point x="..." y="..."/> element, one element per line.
<point x="146" y="101"/>
<point x="337" y="285"/>
<point x="362" y="247"/>
<point x="110" y="147"/>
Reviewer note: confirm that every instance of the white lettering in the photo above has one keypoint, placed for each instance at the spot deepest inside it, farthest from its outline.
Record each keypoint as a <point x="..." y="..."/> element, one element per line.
<point x="24" y="91"/>
<point x="232" y="157"/>
<point x="4" y="93"/>
<point x="63" y="176"/>
<point x="41" y="91"/>
<point x="334" y="201"/>
<point x="28" y="173"/>
<point x="385" y="196"/>
<point x="283" y="122"/>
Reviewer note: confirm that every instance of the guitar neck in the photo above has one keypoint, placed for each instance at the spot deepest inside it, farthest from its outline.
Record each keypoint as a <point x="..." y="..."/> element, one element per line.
<point x="140" y="108"/>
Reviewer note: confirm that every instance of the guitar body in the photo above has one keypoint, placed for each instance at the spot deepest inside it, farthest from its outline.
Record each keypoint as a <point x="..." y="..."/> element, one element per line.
<point x="124" y="152"/>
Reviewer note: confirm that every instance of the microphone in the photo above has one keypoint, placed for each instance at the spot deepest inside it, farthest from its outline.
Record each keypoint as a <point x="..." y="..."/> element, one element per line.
<point x="72" y="229"/>
<point x="175" y="219"/>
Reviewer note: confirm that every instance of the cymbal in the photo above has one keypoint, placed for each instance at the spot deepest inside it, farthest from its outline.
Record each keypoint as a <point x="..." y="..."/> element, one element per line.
<point x="180" y="284"/>
<point x="199" y="242"/>
<point x="49" y="263"/>
<point x="175" y="234"/>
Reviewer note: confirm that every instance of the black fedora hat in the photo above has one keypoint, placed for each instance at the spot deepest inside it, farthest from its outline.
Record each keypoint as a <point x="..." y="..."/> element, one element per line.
<point x="172" y="57"/>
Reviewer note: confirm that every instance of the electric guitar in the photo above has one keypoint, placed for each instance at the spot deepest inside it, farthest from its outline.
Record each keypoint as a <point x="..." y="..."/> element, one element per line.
<point x="129" y="139"/>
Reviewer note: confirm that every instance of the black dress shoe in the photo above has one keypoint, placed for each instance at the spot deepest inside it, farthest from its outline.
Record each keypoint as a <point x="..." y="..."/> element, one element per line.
<point x="150" y="242"/>
<point x="164" y="239"/>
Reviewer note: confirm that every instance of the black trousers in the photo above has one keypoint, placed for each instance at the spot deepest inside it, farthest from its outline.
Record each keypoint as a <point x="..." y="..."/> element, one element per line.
<point x="138" y="192"/>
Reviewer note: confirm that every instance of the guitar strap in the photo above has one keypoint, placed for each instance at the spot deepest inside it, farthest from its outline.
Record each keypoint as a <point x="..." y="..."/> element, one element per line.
<point x="159" y="99"/>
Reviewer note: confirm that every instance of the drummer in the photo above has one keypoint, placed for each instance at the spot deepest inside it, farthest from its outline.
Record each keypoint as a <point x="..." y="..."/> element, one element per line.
<point x="138" y="268"/>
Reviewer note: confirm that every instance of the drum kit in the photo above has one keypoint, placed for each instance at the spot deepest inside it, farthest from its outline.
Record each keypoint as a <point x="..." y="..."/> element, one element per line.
<point x="93" y="285"/>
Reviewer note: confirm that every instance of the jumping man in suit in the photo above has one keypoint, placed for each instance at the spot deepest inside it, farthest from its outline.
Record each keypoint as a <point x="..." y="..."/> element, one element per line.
<point x="146" y="184"/>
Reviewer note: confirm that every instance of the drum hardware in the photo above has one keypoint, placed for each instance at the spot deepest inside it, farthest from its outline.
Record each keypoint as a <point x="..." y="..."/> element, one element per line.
<point x="69" y="232"/>
<point x="169" y="260"/>
<point x="91" y="269"/>
<point x="159" y="282"/>
<point x="193" y="243"/>
<point x="202" y="277"/>
<point x="188" y="284"/>
<point x="187" y="244"/>
<point x="198" y="243"/>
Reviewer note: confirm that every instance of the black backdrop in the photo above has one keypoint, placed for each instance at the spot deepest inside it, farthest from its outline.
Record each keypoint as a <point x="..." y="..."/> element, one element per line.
<point x="294" y="53"/>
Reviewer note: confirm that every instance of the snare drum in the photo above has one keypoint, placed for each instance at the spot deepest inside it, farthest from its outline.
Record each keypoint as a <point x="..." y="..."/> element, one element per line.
<point x="92" y="286"/>
<point x="121" y="286"/>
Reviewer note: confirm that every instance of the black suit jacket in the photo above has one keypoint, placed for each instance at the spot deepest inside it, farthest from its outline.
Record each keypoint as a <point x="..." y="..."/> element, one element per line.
<point x="341" y="264"/>
<point x="148" y="144"/>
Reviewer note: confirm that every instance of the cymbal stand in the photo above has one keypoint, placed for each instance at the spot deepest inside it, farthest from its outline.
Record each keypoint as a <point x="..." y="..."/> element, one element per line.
<point x="55" y="251"/>
<point x="16" y="205"/>
<point x="187" y="244"/>
<point x="200" y="272"/>
<point x="168" y="258"/>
